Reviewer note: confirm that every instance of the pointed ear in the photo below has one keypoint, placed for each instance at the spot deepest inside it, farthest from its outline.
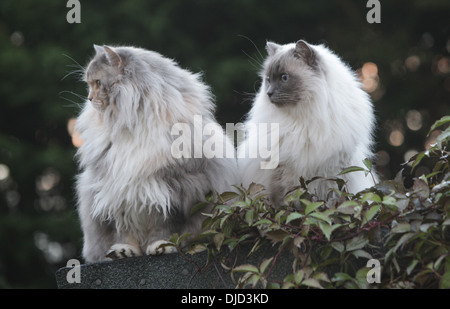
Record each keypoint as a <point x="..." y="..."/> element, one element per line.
<point x="98" y="49"/>
<point x="304" y="51"/>
<point x="114" y="59"/>
<point x="272" y="48"/>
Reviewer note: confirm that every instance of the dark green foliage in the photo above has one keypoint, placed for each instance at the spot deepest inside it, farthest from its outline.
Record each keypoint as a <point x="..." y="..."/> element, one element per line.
<point x="406" y="230"/>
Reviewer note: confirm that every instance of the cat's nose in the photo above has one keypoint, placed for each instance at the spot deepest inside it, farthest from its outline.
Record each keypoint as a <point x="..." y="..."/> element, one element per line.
<point x="91" y="95"/>
<point x="270" y="93"/>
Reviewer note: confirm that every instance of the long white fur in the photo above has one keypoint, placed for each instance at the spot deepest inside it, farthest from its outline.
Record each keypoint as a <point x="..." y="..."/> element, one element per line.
<point x="139" y="127"/>
<point x="331" y="129"/>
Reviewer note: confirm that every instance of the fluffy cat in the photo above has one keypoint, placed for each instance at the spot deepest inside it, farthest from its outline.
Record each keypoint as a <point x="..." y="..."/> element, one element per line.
<point x="325" y="121"/>
<point x="133" y="192"/>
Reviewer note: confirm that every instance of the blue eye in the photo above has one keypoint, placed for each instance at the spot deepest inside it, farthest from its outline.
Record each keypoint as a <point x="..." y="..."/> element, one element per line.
<point x="284" y="77"/>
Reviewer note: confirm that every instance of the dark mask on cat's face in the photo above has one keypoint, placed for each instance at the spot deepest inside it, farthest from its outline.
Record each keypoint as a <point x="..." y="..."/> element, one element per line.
<point x="284" y="74"/>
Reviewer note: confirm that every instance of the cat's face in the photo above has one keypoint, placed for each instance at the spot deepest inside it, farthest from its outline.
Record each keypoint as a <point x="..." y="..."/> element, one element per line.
<point x="286" y="72"/>
<point x="102" y="73"/>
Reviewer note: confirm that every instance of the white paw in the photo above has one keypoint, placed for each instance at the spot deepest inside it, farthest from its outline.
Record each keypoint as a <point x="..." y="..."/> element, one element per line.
<point x="160" y="247"/>
<point x="120" y="251"/>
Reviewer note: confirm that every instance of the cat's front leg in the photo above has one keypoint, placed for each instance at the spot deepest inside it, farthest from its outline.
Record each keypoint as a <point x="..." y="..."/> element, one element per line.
<point x="160" y="247"/>
<point x="98" y="235"/>
<point x="120" y="251"/>
<point x="128" y="248"/>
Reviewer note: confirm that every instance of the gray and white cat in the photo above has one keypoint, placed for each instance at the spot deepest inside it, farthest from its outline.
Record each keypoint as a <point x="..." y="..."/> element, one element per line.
<point x="325" y="121"/>
<point x="133" y="193"/>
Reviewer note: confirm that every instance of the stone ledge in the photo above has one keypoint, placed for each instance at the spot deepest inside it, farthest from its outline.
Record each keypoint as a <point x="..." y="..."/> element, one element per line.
<point x="171" y="271"/>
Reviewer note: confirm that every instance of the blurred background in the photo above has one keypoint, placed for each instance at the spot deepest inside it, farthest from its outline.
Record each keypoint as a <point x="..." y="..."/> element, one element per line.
<point x="403" y="62"/>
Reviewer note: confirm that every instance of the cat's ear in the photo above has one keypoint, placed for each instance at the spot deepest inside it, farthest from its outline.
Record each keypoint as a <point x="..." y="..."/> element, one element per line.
<point x="304" y="51"/>
<point x="99" y="49"/>
<point x="272" y="48"/>
<point x="114" y="58"/>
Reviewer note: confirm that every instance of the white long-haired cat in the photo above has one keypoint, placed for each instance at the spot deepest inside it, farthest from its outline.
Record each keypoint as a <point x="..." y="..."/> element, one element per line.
<point x="133" y="191"/>
<point x="325" y="121"/>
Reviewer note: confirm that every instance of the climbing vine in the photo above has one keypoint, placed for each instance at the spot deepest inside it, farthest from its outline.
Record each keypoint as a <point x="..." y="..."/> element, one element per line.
<point x="407" y="230"/>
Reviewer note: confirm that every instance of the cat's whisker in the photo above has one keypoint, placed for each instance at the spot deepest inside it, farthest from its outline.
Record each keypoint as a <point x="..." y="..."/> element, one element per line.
<point x="79" y="69"/>
<point x="78" y="73"/>
<point x="76" y="62"/>
<point x="260" y="61"/>
<point x="254" y="62"/>
<point x="74" y="103"/>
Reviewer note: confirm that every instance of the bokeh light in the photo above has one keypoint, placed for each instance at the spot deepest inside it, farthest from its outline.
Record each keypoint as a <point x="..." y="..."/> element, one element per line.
<point x="48" y="180"/>
<point x="369" y="76"/>
<point x="396" y="138"/>
<point x="412" y="63"/>
<point x="443" y="65"/>
<point x="4" y="172"/>
<point x="76" y="139"/>
<point x="414" y="120"/>
<point x="383" y="158"/>
<point x="17" y="38"/>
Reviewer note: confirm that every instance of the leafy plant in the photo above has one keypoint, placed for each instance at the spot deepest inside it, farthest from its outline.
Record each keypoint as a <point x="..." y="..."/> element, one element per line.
<point x="330" y="241"/>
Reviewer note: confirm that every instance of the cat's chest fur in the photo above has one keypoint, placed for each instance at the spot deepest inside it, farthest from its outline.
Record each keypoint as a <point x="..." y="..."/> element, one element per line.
<point x="311" y="157"/>
<point x="122" y="171"/>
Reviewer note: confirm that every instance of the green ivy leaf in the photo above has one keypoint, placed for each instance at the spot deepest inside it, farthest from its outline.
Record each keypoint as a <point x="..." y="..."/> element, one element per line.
<point x="403" y="240"/>
<point x="321" y="216"/>
<point x="218" y="240"/>
<point x="390" y="202"/>
<point x="370" y="196"/>
<point x="288" y="285"/>
<point x="298" y="277"/>
<point x="439" y="123"/>
<point x="443" y="137"/>
<point x="401" y="228"/>
<point x="338" y="246"/>
<point x="417" y="158"/>
<point x="196" y="248"/>
<point x="326" y="229"/>
<point x="311" y="282"/>
<point x="370" y="213"/>
<point x="311" y="206"/>
<point x="321" y="276"/>
<point x="368" y="164"/>
<point x="246" y="268"/>
<point x="263" y="221"/>
<point x="412" y="266"/>
<point x="249" y="217"/>
<point x="361" y="277"/>
<point x="347" y="207"/>
<point x="352" y="169"/>
<point x="293" y="216"/>
<point x="355" y="243"/>
<point x="277" y="235"/>
<point x="228" y="196"/>
<point x="255" y="188"/>
<point x="361" y="254"/>
<point x="264" y="264"/>
<point x="198" y="207"/>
